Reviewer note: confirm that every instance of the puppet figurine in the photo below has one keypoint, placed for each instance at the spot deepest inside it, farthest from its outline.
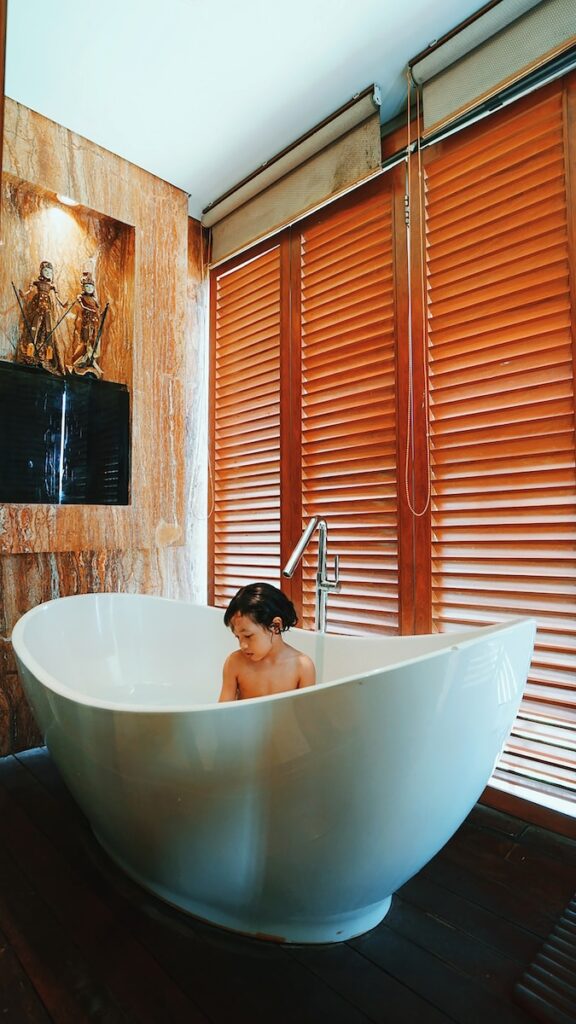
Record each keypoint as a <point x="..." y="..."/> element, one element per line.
<point x="87" y="330"/>
<point x="38" y="346"/>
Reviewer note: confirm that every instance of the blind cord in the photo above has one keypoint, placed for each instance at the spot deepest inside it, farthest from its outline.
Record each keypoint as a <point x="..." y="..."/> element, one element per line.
<point x="410" y="438"/>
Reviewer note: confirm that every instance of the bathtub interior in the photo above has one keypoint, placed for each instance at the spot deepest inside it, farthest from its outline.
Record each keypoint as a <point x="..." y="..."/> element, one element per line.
<point x="137" y="651"/>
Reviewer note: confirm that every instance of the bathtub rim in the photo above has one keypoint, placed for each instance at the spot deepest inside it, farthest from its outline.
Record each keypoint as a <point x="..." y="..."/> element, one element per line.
<point x="49" y="682"/>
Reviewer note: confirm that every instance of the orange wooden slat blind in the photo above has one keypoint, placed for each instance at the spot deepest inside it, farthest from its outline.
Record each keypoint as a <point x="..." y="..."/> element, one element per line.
<point x="348" y="381"/>
<point x="501" y="376"/>
<point x="246" y="426"/>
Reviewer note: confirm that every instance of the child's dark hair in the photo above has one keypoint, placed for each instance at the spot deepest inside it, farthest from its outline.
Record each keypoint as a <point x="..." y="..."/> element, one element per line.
<point x="262" y="603"/>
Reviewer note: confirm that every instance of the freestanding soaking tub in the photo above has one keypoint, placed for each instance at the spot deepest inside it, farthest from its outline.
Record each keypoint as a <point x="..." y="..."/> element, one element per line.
<point x="293" y="817"/>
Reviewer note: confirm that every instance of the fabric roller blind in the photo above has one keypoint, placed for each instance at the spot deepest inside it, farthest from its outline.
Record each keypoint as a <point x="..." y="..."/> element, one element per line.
<point x="330" y="159"/>
<point x="493" y="51"/>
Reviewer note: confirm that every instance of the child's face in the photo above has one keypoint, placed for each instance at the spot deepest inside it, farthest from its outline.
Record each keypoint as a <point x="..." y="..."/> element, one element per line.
<point x="255" y="640"/>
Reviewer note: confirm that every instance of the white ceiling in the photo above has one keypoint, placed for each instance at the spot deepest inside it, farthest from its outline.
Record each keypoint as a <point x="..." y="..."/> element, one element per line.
<point x="201" y="92"/>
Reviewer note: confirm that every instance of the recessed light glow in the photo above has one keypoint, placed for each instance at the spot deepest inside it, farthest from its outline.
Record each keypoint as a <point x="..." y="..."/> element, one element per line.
<point x="66" y="200"/>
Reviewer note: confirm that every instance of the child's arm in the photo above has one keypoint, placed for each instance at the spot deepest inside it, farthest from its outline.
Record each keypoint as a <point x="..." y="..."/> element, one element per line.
<point x="229" y="689"/>
<point x="307" y="672"/>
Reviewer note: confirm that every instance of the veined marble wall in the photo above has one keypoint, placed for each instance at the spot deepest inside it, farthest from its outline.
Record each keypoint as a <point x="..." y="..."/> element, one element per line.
<point x="155" y="545"/>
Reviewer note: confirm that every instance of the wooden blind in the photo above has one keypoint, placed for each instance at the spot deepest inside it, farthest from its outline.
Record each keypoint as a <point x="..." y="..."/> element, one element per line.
<point x="502" y="410"/>
<point x="316" y="437"/>
<point x="245" y="534"/>
<point x="348" y="381"/>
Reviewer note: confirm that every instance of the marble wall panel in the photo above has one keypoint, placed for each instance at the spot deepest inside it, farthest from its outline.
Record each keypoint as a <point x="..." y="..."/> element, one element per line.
<point x="3" y="19"/>
<point x="48" y="552"/>
<point x="53" y="160"/>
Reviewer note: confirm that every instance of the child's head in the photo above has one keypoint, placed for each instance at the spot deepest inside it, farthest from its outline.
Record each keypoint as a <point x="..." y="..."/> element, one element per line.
<point x="265" y="605"/>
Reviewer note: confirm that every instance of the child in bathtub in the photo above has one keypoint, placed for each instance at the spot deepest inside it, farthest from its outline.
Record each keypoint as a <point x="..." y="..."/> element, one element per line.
<point x="265" y="664"/>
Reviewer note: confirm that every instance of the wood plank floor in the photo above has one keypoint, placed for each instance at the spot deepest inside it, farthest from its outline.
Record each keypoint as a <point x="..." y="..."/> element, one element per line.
<point x="81" y="942"/>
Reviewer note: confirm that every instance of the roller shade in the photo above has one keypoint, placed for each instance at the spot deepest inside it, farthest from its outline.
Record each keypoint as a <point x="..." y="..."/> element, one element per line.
<point x="336" y="155"/>
<point x="488" y="54"/>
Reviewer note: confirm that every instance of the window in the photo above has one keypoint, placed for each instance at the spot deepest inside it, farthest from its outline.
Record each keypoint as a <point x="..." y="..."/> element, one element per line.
<point x="348" y="400"/>
<point x="315" y="387"/>
<point x="501" y="371"/>
<point x="245" y="535"/>
<point x="304" y="372"/>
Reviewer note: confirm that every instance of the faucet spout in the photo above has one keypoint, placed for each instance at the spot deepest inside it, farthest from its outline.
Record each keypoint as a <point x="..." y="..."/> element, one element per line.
<point x="323" y="583"/>
<point x="292" y="563"/>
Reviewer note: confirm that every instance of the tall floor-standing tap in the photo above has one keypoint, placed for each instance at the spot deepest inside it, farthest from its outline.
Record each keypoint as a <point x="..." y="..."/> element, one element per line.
<point x="323" y="584"/>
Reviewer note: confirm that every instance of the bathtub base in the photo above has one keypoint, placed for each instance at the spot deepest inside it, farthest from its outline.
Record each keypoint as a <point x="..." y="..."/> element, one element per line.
<point x="336" y="928"/>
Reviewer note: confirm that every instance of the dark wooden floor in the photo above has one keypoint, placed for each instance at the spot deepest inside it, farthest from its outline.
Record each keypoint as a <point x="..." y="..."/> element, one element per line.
<point x="80" y="942"/>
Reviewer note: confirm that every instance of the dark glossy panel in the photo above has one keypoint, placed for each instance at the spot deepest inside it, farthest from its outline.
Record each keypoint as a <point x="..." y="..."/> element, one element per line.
<point x="63" y="440"/>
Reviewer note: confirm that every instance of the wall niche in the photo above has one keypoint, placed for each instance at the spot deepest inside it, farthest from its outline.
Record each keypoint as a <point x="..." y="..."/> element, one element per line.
<point x="65" y="434"/>
<point x="37" y="226"/>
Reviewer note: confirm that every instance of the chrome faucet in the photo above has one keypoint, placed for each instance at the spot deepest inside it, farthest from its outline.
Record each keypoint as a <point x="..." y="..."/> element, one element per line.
<point x="323" y="584"/>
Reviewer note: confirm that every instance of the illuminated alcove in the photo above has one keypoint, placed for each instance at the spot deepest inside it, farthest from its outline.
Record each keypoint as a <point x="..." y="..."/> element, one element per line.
<point x="37" y="226"/>
<point x="65" y="438"/>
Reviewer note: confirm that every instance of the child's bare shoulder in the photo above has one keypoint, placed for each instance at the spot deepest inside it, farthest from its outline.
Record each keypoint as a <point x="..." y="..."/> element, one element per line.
<point x="233" y="661"/>
<point x="306" y="670"/>
<point x="295" y="653"/>
<point x="303" y="658"/>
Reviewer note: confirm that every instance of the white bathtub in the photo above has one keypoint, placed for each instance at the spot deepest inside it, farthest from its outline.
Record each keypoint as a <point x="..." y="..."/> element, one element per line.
<point x="292" y="817"/>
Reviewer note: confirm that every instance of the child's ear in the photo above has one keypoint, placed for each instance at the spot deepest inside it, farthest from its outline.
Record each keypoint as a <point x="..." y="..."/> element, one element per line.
<point x="276" y="624"/>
